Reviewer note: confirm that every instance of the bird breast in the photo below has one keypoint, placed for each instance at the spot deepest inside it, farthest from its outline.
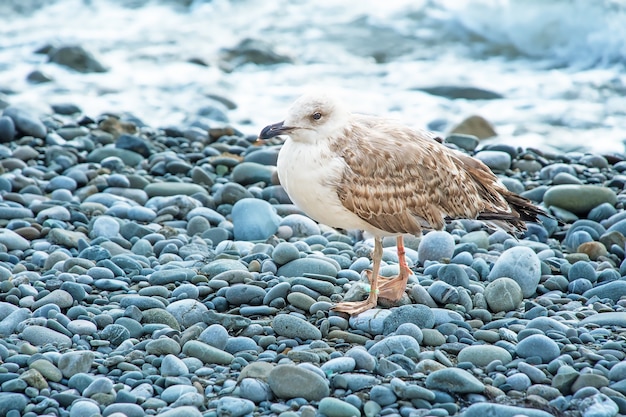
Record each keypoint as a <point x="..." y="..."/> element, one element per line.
<point x="310" y="174"/>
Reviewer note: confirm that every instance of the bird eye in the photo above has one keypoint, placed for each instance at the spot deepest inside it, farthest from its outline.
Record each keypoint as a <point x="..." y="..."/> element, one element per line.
<point x="317" y="116"/>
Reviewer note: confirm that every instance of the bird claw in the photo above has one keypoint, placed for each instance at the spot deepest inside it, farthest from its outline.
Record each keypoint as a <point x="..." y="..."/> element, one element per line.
<point x="355" y="307"/>
<point x="392" y="288"/>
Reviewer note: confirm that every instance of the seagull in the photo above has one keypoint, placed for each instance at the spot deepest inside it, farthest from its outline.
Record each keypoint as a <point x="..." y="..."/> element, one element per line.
<point x="354" y="171"/>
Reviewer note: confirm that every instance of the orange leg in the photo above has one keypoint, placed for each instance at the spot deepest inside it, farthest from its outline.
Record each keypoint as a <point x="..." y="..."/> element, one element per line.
<point x="393" y="288"/>
<point x="357" y="307"/>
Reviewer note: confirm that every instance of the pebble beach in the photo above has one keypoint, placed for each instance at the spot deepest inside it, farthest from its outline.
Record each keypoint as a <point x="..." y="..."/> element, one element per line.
<point x="164" y="272"/>
<point x="161" y="270"/>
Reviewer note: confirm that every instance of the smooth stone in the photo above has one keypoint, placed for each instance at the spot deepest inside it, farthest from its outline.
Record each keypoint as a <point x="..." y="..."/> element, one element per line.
<point x="12" y="401"/>
<point x="10" y="322"/>
<point x="215" y="335"/>
<point x="231" y="193"/>
<point x="174" y="392"/>
<point x="454" y="380"/>
<point x="167" y="189"/>
<point x="123" y="409"/>
<point x="613" y="290"/>
<point x="483" y="355"/>
<point x="338" y="365"/>
<point x="298" y="267"/>
<point x="499" y="410"/>
<point x="55" y="213"/>
<point x="538" y="345"/>
<point x="7" y="129"/>
<point x="163" y="346"/>
<point x="240" y="344"/>
<point x="183" y="411"/>
<point x="254" y="219"/>
<point x="285" y="252"/>
<point x="599" y="405"/>
<point x="291" y="326"/>
<point x="578" y="199"/>
<point x="72" y="363"/>
<point x="207" y="353"/>
<point x="495" y="160"/>
<point x="301" y="226"/>
<point x="39" y="336"/>
<point x="83" y="408"/>
<point x="129" y="158"/>
<point x="394" y="344"/>
<point x="170" y="276"/>
<point x="522" y="265"/>
<point x="418" y="314"/>
<point x="47" y="369"/>
<point x="105" y="226"/>
<point x="503" y="294"/>
<point x="617" y="318"/>
<point x="246" y="173"/>
<point x="371" y="321"/>
<point x="27" y="123"/>
<point x="547" y="324"/>
<point x="244" y="294"/>
<point x="254" y="390"/>
<point x="13" y="241"/>
<point x="187" y="312"/>
<point x="234" y="407"/>
<point x="334" y="407"/>
<point x="115" y="333"/>
<point x="60" y="298"/>
<point x="290" y="381"/>
<point x="435" y="246"/>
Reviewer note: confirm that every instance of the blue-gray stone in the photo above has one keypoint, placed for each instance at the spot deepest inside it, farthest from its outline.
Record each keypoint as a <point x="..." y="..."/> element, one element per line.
<point x="254" y="219"/>
<point x="290" y="326"/>
<point x="418" y="314"/>
<point x="25" y="122"/>
<point x="394" y="344"/>
<point x="298" y="267"/>
<point x="613" y="290"/>
<point x="499" y="410"/>
<point x="12" y="401"/>
<point x="290" y="381"/>
<point x="187" y="312"/>
<point x="454" y="380"/>
<point x="234" y="407"/>
<point x="522" y="265"/>
<point x="334" y="407"/>
<point x="435" y="246"/>
<point x="496" y="160"/>
<point x="538" y="345"/>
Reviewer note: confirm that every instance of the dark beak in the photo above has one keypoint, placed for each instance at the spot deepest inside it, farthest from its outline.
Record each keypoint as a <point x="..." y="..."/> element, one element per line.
<point x="271" y="131"/>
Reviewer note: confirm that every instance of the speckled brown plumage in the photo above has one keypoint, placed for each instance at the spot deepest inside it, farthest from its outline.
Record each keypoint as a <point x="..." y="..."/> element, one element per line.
<point x="401" y="180"/>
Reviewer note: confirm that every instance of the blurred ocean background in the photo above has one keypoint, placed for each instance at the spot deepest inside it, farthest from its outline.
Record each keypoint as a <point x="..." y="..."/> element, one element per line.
<point x="545" y="73"/>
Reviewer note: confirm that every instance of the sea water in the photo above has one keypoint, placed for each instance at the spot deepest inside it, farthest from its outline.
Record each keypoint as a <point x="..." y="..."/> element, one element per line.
<point x="560" y="65"/>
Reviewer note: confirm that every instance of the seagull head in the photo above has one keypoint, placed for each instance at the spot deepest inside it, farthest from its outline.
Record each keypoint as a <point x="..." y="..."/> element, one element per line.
<point x="311" y="118"/>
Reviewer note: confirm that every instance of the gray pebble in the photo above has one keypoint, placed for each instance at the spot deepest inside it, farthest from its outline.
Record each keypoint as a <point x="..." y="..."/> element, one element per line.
<point x="417" y="314"/>
<point x="234" y="407"/>
<point x="500" y="410"/>
<point x="522" y="265"/>
<point x="538" y="345"/>
<point x="290" y="381"/>
<point x="288" y="325"/>
<point x="254" y="219"/>
<point x="454" y="380"/>
<point x="435" y="246"/>
<point x="334" y="407"/>
<point x="394" y="344"/>
<point x="503" y="294"/>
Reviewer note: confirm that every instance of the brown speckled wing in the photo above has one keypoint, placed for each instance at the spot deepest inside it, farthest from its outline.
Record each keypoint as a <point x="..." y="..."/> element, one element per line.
<point x="401" y="180"/>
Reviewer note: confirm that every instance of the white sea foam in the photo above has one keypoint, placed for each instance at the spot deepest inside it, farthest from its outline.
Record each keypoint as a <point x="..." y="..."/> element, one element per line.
<point x="558" y="64"/>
